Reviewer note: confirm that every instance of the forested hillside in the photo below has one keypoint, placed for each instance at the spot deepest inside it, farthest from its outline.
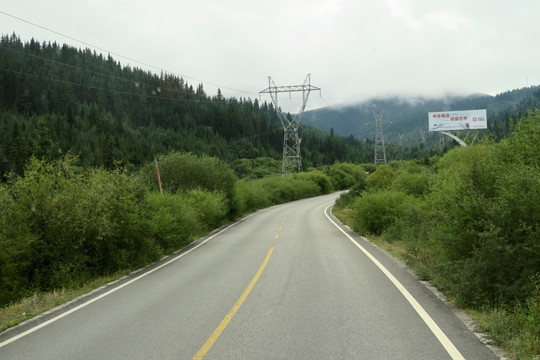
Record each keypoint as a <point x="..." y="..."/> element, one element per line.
<point x="405" y="119"/>
<point x="56" y="99"/>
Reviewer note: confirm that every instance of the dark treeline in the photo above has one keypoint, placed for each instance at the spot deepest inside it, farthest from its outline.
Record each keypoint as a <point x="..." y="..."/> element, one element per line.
<point x="56" y="99"/>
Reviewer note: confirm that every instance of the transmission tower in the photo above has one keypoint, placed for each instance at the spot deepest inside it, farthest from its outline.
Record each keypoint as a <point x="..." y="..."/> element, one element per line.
<point x="380" y="153"/>
<point x="292" y="160"/>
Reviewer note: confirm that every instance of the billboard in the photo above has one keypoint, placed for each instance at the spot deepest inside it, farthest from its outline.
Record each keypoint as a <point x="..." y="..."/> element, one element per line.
<point x="457" y="120"/>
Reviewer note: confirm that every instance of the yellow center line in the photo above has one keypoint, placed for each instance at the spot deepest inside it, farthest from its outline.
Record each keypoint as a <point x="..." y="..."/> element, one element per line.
<point x="280" y="228"/>
<point x="215" y="335"/>
<point x="277" y="237"/>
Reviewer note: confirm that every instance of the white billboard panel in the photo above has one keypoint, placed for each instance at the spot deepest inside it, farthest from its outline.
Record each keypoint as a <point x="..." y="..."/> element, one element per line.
<point x="457" y="120"/>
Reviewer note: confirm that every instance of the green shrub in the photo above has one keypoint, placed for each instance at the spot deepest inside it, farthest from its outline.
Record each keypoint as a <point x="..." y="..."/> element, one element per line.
<point x="179" y="218"/>
<point x="375" y="212"/>
<point x="415" y="184"/>
<point x="256" y="194"/>
<point x="488" y="212"/>
<point x="381" y="179"/>
<point x="369" y="167"/>
<point x="16" y="243"/>
<point x="318" y="178"/>
<point x="173" y="223"/>
<point x="210" y="208"/>
<point x="113" y="212"/>
<point x="345" y="175"/>
<point x="347" y="198"/>
<point x="257" y="168"/>
<point x="62" y="226"/>
<point x="186" y="171"/>
<point x="284" y="189"/>
<point x="249" y="196"/>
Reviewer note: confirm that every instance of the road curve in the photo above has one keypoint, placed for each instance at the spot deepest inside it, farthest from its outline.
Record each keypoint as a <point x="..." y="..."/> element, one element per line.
<point x="288" y="282"/>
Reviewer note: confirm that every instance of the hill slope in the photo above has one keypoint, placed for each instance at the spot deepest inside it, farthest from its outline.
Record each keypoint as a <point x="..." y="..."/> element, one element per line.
<point x="405" y="119"/>
<point x="56" y="99"/>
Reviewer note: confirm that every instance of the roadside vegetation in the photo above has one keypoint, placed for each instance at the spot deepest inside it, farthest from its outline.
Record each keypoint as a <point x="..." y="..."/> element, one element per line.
<point x="64" y="227"/>
<point x="468" y="222"/>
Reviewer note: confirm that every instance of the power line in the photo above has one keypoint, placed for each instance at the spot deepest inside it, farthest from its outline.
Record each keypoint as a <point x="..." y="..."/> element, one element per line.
<point x="110" y="76"/>
<point x="122" y="56"/>
<point x="97" y="87"/>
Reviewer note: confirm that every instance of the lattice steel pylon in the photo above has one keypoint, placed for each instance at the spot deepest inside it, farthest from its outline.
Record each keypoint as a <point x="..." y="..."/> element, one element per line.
<point x="380" y="153"/>
<point x="292" y="160"/>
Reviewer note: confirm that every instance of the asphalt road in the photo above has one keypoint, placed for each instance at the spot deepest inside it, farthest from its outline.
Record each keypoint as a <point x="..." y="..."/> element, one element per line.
<point x="284" y="283"/>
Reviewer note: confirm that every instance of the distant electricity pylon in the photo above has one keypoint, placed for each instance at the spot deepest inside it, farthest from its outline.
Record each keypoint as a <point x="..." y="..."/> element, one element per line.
<point x="380" y="153"/>
<point x="292" y="160"/>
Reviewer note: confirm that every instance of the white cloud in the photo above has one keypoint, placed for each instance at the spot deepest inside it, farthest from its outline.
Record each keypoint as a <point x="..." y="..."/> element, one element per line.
<point x="354" y="49"/>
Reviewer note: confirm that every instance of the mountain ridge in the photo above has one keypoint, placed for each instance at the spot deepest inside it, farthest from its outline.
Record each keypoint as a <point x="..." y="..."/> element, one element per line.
<point x="405" y="118"/>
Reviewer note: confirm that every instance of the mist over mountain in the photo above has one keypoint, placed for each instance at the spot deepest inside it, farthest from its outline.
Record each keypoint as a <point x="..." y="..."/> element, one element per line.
<point x="405" y="119"/>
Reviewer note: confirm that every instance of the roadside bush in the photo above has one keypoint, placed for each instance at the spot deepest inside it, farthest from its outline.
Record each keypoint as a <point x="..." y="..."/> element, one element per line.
<point x="381" y="179"/>
<point x="186" y="171"/>
<point x="285" y="189"/>
<point x="375" y="212"/>
<point x="172" y="222"/>
<point x="111" y="216"/>
<point x="347" y="198"/>
<point x="16" y="243"/>
<point x="318" y="178"/>
<point x="256" y="168"/>
<point x="488" y="209"/>
<point x="415" y="184"/>
<point x="345" y="175"/>
<point x="369" y="167"/>
<point x="61" y="225"/>
<point x="249" y="196"/>
<point x="179" y="218"/>
<point x="210" y="208"/>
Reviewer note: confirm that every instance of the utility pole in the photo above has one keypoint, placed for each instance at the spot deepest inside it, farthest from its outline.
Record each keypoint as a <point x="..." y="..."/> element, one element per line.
<point x="292" y="160"/>
<point x="380" y="153"/>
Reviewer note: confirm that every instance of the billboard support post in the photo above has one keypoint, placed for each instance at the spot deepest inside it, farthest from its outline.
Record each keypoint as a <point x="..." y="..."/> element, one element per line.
<point x="460" y="142"/>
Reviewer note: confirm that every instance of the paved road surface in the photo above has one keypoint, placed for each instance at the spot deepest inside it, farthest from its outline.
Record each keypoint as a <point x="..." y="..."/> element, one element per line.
<point x="284" y="283"/>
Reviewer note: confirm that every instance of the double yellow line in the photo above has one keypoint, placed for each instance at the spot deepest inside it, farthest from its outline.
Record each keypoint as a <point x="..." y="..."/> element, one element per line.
<point x="215" y="335"/>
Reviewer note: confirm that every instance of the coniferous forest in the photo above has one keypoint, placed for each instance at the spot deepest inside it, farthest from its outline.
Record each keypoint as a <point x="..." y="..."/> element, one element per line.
<point x="56" y="99"/>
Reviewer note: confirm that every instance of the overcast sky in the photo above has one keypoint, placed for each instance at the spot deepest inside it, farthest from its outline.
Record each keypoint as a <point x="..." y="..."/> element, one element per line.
<point x="353" y="49"/>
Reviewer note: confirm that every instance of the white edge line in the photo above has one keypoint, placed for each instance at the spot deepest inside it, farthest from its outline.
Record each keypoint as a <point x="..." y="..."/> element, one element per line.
<point x="443" y="339"/>
<point x="50" y="321"/>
